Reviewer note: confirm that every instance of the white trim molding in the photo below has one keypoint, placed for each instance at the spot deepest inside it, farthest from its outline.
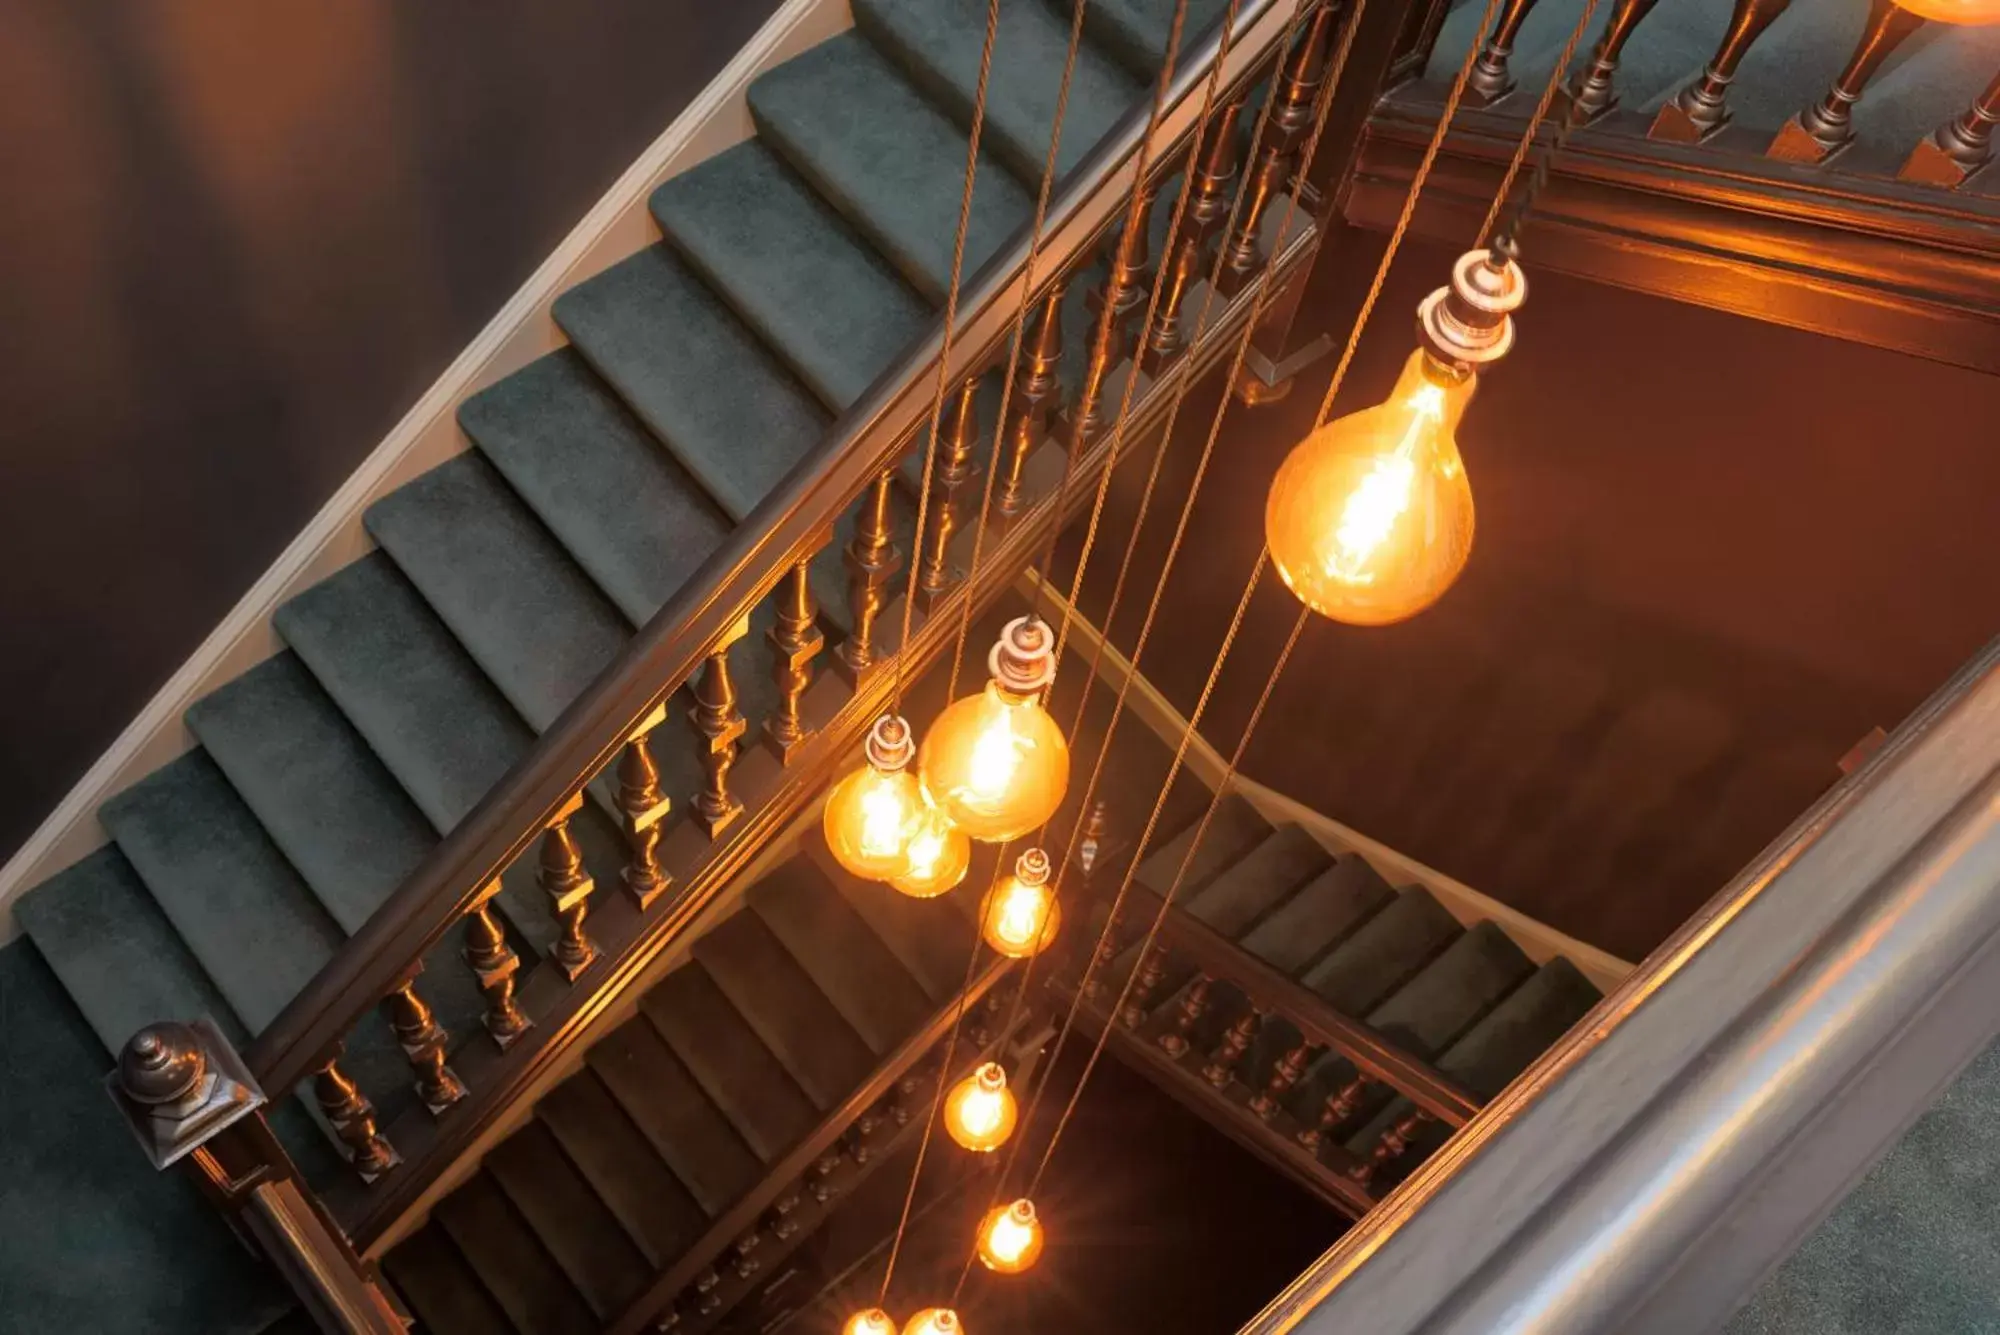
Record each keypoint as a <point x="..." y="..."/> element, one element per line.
<point x="616" y="226"/>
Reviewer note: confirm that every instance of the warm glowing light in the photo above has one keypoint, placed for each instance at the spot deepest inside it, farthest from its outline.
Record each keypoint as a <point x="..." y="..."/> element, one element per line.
<point x="979" y="1113"/>
<point x="874" y="1321"/>
<point x="1954" y="11"/>
<point x="939" y="854"/>
<point x="1370" y="519"/>
<point x="1019" y="915"/>
<point x="873" y="814"/>
<point x="996" y="762"/>
<point x="934" y="1321"/>
<point x="1010" y="1238"/>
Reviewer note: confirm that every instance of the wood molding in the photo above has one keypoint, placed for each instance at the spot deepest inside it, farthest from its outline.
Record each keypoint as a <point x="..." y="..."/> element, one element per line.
<point x="616" y="226"/>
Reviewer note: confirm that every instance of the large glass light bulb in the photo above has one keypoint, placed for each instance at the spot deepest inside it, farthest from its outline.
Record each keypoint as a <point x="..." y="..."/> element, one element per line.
<point x="979" y="1112"/>
<point x="935" y="1321"/>
<point x="1954" y="11"/>
<point x="939" y="854"/>
<point x="996" y="762"/>
<point x="872" y="1321"/>
<point x="1019" y="915"/>
<point x="1010" y="1238"/>
<point x="874" y="813"/>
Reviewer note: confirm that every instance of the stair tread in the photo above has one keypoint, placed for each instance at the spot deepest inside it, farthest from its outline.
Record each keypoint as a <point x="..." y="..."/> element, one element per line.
<point x="933" y="945"/>
<point x="791" y="266"/>
<point x="938" y="44"/>
<point x="115" y="952"/>
<point x="573" y="1223"/>
<point x="1450" y="994"/>
<point x="530" y="618"/>
<point x="694" y="374"/>
<point x="1320" y="916"/>
<point x="624" y="508"/>
<point x="510" y="1262"/>
<point x="740" y="1074"/>
<point x="1383" y="952"/>
<point x="1136" y="30"/>
<point x="1260" y="880"/>
<point x="786" y="1008"/>
<point x="662" y="1098"/>
<point x="443" y="1292"/>
<point x="860" y="975"/>
<point x="886" y="158"/>
<point x="1232" y="832"/>
<point x="1520" y="1028"/>
<point x="656" y="1209"/>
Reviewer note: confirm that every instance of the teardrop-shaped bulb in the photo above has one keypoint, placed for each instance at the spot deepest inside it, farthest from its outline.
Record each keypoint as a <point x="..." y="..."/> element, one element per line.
<point x="1020" y="915"/>
<point x="995" y="761"/>
<point x="935" y="1321"/>
<point x="1010" y="1238"/>
<point x="938" y="855"/>
<point x="871" y="1321"/>
<point x="979" y="1112"/>
<point x="874" y="812"/>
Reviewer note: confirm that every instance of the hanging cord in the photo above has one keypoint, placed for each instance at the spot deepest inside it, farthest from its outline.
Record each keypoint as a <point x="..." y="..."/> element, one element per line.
<point x="1519" y="217"/>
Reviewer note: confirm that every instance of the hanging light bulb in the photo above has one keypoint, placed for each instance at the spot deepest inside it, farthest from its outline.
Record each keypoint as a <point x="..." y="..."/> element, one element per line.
<point x="934" y="1321"/>
<point x="979" y="1113"/>
<point x="874" y="813"/>
<point x="939" y="854"/>
<point x="1019" y="915"/>
<point x="996" y="762"/>
<point x="873" y="1321"/>
<point x="1010" y="1238"/>
<point x="1370" y="519"/>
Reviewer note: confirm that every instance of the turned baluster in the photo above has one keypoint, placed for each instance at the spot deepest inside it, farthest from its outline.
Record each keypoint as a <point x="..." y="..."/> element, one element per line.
<point x="1959" y="147"/>
<point x="1702" y="108"/>
<point x="1395" y="1141"/>
<point x="494" y="965"/>
<point x="872" y="559"/>
<point x="717" y="724"/>
<point x="1285" y="131"/>
<point x="953" y="467"/>
<point x="1194" y="1005"/>
<point x="819" y="1178"/>
<point x="1209" y="180"/>
<point x="568" y="886"/>
<point x="1340" y="1106"/>
<point x="795" y="641"/>
<point x="1114" y="305"/>
<point x="1827" y="126"/>
<point x="1221" y="1068"/>
<point x="1102" y="962"/>
<point x="746" y="1263"/>
<point x="642" y="810"/>
<point x="1036" y="388"/>
<point x="353" y="1120"/>
<point x="425" y="1045"/>
<point x="1593" y="93"/>
<point x="780" y="1219"/>
<point x="1490" y="79"/>
<point x="1286" y="1074"/>
<point x="1152" y="970"/>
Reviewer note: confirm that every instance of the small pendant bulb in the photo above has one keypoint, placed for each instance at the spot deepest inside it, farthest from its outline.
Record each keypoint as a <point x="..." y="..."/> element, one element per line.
<point x="875" y="812"/>
<point x="934" y="1321"/>
<point x="1019" y="915"/>
<point x="979" y="1112"/>
<point x="996" y="762"/>
<point x="1010" y="1238"/>
<point x="873" y="1321"/>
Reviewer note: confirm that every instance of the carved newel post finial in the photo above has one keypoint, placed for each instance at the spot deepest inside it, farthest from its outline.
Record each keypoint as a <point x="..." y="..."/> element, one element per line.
<point x="179" y="1085"/>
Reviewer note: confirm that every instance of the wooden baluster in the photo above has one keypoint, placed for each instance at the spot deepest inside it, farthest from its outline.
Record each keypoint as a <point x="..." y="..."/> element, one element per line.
<point x="568" y="885"/>
<point x="494" y="964"/>
<point x="1959" y="147"/>
<point x="1036" y="389"/>
<point x="795" y="641"/>
<point x="1490" y="79"/>
<point x="1702" y="108"/>
<point x="1221" y="1068"/>
<point x="1340" y="1106"/>
<point x="1286" y="1074"/>
<point x="1826" y="127"/>
<point x="872" y="560"/>
<point x="1395" y="1141"/>
<point x="353" y="1119"/>
<point x="425" y="1045"/>
<point x="1210" y="179"/>
<point x="1151" y="971"/>
<point x="781" y="1217"/>
<point x="1593" y="93"/>
<point x="1102" y="962"/>
<point x="717" y="724"/>
<point x="1194" y="1005"/>
<point x="952" y="471"/>
<point x="1290" y="121"/>
<point x="1114" y="305"/>
<point x="642" y="810"/>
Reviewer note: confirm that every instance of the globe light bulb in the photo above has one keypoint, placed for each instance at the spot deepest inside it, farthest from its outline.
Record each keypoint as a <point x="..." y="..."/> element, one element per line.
<point x="1019" y="915"/>
<point x="934" y="1321"/>
<point x="939" y="854"/>
<point x="1010" y="1238"/>
<point x="875" y="812"/>
<point x="1370" y="519"/>
<point x="979" y="1112"/>
<point x="873" y="1321"/>
<point x="1954" y="11"/>
<point x="996" y="762"/>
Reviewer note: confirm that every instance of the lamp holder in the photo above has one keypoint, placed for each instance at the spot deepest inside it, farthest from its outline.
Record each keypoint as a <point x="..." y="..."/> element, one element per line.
<point x="1469" y="322"/>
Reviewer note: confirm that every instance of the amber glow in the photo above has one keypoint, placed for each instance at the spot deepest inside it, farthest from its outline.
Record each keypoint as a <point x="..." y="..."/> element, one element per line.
<point x="873" y="1321"/>
<point x="1019" y="915"/>
<point x="1954" y="11"/>
<point x="1370" y="519"/>
<point x="979" y="1113"/>
<point x="934" y="1321"/>
<point x="938" y="856"/>
<point x="997" y="763"/>
<point x="1010" y="1238"/>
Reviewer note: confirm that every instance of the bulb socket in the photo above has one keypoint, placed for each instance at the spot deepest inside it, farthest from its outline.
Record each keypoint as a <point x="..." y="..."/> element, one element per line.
<point x="1468" y="323"/>
<point x="1032" y="867"/>
<point x="891" y="745"/>
<point x="1023" y="659"/>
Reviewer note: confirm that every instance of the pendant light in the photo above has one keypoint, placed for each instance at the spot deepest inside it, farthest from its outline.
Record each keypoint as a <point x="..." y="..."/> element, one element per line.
<point x="980" y="1112"/>
<point x="939" y="854"/>
<point x="872" y="1321"/>
<point x="934" y="1321"/>
<point x="996" y="762"/>
<point x="874" y="813"/>
<point x="1010" y="1238"/>
<point x="1019" y="915"/>
<point x="1370" y="519"/>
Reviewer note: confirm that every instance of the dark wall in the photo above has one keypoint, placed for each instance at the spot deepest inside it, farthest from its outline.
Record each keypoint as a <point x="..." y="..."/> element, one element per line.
<point x="237" y="240"/>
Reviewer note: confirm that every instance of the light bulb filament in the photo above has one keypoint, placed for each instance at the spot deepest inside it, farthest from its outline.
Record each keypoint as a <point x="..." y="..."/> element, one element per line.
<point x="882" y="821"/>
<point x="996" y="756"/>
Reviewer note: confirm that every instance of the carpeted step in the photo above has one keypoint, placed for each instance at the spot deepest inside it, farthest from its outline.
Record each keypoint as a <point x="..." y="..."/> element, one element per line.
<point x="792" y="268"/>
<point x="785" y="1008"/>
<point x="1231" y="834"/>
<point x="890" y="161"/>
<point x="1266" y="876"/>
<point x="1320" y="915"/>
<point x="441" y="1289"/>
<point x="859" y="974"/>
<point x="510" y="1262"/>
<point x="1136" y="30"/>
<point x="656" y="1209"/>
<point x="739" y="1073"/>
<point x="684" y="1127"/>
<point x="938" y="43"/>
<point x="568" y="1217"/>
<point x="1453" y="991"/>
<point x="694" y="374"/>
<point x="530" y="618"/>
<point x="1384" y="952"/>
<point x="629" y="513"/>
<point x="932" y="943"/>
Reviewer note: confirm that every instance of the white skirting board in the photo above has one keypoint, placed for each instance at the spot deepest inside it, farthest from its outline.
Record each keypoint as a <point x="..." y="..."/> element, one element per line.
<point x="617" y="226"/>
